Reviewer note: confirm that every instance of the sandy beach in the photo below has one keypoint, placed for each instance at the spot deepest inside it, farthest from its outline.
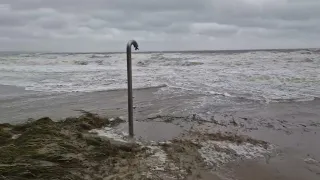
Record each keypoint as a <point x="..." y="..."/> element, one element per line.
<point x="292" y="128"/>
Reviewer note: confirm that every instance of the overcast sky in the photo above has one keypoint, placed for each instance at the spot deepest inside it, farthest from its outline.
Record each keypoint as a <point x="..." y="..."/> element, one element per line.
<point x="106" y="25"/>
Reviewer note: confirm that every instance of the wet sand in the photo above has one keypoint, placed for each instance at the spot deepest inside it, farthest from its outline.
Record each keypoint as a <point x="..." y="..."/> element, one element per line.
<point x="293" y="127"/>
<point x="297" y="137"/>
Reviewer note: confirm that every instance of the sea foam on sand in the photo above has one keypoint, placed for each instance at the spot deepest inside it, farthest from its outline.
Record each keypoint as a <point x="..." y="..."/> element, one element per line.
<point x="111" y="134"/>
<point x="216" y="153"/>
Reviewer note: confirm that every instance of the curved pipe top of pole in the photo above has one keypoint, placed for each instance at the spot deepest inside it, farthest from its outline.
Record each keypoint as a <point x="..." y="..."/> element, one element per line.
<point x="134" y="43"/>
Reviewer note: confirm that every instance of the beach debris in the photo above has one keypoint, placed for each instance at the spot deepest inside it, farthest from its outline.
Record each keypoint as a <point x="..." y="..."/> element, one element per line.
<point x="91" y="147"/>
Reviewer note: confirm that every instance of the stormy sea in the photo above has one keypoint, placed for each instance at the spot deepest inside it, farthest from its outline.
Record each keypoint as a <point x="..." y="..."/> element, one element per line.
<point x="268" y="95"/>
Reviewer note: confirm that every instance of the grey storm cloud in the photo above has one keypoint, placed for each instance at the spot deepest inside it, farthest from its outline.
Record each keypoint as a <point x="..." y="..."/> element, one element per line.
<point x="106" y="25"/>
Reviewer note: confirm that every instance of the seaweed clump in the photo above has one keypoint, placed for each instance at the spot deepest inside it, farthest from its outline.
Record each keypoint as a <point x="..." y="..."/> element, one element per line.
<point x="44" y="149"/>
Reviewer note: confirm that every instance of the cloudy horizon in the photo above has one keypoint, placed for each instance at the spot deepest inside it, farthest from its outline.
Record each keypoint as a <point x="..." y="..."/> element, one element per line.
<point x="106" y="25"/>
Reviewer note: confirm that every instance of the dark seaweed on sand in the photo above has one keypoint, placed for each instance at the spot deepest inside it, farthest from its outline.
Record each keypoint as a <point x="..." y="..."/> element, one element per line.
<point x="44" y="149"/>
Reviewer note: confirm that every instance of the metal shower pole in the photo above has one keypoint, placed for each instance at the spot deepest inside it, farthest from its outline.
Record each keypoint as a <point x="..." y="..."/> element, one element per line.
<point x="129" y="73"/>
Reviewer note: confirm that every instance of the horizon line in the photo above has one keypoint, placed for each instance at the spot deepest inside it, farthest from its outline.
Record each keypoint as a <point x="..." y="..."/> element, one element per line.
<point x="158" y="51"/>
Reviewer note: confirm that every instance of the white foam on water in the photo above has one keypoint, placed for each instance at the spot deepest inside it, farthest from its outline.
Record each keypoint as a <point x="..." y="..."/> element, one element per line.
<point x="262" y="75"/>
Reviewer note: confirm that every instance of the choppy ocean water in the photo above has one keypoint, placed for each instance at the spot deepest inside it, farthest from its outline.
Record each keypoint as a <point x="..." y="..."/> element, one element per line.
<point x="219" y="76"/>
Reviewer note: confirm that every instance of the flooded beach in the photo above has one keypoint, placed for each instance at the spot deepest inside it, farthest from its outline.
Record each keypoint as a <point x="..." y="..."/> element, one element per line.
<point x="211" y="118"/>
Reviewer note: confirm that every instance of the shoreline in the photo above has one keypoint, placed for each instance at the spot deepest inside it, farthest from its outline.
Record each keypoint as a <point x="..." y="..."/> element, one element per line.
<point x="31" y="104"/>
<point x="17" y="105"/>
<point x="290" y="128"/>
